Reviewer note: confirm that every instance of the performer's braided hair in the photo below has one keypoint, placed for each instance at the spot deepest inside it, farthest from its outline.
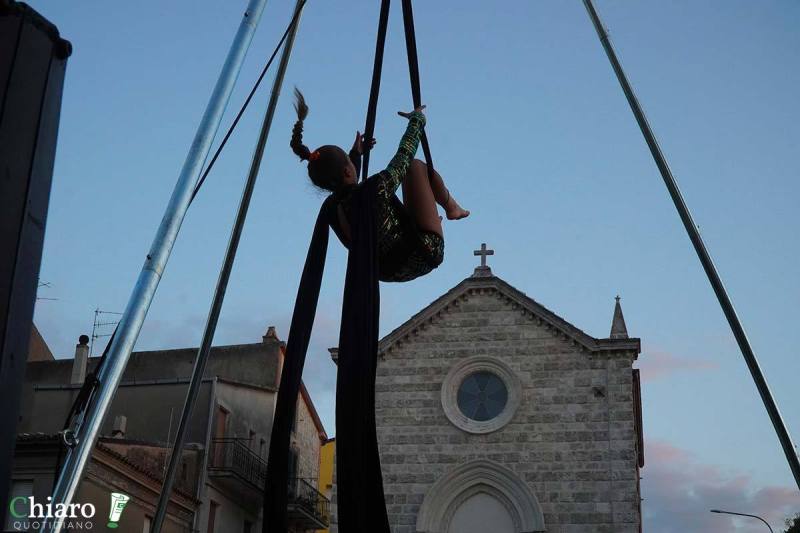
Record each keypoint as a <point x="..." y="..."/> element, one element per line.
<point x="326" y="164"/>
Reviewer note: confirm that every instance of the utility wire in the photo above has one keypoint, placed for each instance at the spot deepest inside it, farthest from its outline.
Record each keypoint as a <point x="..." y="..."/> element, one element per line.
<point x="86" y="391"/>
<point x="247" y="101"/>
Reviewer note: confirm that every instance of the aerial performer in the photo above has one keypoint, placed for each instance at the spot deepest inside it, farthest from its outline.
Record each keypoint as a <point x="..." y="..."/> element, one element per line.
<point x="387" y="240"/>
<point x="409" y="233"/>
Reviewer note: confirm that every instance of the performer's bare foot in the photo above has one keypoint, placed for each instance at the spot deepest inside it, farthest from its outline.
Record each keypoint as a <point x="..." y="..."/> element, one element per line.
<point x="455" y="211"/>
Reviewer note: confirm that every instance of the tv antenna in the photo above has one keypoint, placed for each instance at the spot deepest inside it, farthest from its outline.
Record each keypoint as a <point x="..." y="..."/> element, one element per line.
<point x="47" y="285"/>
<point x="101" y="324"/>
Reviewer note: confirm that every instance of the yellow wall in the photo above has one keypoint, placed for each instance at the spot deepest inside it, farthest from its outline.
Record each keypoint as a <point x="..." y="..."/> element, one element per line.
<point x="327" y="456"/>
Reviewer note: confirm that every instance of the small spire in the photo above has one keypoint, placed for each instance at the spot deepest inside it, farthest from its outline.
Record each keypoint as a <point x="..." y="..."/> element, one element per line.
<point x="618" y="328"/>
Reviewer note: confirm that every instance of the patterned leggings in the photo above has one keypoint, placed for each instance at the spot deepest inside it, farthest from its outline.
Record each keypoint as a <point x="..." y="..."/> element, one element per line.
<point x="428" y="255"/>
<point x="433" y="246"/>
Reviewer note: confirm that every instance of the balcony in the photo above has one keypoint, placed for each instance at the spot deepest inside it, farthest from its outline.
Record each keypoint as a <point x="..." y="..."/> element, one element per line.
<point x="307" y="509"/>
<point x="241" y="472"/>
<point x="237" y="469"/>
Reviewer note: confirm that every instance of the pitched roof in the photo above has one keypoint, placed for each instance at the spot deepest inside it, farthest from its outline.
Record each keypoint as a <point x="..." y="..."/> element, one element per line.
<point x="537" y="312"/>
<point x="55" y="438"/>
<point x="38" y="350"/>
<point x="323" y="435"/>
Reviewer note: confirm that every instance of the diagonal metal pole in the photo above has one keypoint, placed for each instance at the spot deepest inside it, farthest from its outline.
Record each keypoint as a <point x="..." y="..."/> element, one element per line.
<point x="155" y="263"/>
<point x="224" y="277"/>
<point x="700" y="248"/>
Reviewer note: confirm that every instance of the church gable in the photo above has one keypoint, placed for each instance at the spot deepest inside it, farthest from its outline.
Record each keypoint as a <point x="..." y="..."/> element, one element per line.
<point x="492" y="297"/>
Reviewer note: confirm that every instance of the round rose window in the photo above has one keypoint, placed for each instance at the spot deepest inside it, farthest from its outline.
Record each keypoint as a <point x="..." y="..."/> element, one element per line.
<point x="482" y="396"/>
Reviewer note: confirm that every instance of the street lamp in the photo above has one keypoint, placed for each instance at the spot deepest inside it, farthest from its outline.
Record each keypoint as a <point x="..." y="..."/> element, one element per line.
<point x="742" y="514"/>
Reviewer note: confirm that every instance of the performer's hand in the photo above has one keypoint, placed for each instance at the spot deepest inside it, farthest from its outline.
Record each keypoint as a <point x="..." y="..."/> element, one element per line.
<point x="358" y="144"/>
<point x="416" y="110"/>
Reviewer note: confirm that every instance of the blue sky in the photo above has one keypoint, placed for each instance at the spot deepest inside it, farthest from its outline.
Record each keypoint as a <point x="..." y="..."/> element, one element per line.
<point x="531" y="130"/>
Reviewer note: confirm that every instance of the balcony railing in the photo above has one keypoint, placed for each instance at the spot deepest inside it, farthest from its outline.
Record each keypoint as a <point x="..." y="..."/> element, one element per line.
<point x="307" y="506"/>
<point x="231" y="458"/>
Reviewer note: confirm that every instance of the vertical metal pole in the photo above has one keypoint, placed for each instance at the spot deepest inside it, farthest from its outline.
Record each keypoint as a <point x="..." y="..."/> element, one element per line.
<point x="222" y="282"/>
<point x="700" y="248"/>
<point x="156" y="261"/>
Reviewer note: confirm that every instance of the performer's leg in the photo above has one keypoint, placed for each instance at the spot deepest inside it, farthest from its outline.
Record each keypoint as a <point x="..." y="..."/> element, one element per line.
<point x="440" y="192"/>
<point x="419" y="198"/>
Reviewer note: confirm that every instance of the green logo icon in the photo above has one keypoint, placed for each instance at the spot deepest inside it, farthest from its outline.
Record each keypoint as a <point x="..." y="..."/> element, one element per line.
<point x="118" y="502"/>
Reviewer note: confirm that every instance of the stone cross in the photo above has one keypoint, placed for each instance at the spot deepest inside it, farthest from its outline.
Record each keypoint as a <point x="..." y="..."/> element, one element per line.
<point x="483" y="252"/>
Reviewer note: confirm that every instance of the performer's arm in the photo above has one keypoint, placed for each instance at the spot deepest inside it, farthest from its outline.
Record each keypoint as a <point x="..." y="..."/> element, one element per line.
<point x="355" y="158"/>
<point x="391" y="177"/>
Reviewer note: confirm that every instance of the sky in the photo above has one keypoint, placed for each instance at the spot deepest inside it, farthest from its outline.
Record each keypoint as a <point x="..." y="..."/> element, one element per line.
<point x="532" y="133"/>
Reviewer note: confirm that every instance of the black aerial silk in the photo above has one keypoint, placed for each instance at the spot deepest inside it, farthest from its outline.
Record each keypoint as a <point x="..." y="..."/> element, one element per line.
<point x="361" y="506"/>
<point x="360" y="500"/>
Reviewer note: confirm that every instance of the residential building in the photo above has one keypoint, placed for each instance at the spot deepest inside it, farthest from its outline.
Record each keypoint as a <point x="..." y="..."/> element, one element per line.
<point x="219" y="485"/>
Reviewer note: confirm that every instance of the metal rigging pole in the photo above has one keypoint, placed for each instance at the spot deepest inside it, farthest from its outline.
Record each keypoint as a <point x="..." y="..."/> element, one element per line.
<point x="154" y="265"/>
<point x="700" y="247"/>
<point x="224" y="276"/>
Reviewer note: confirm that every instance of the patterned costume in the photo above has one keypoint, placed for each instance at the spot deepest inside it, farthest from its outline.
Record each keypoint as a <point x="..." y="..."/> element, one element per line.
<point x="405" y="252"/>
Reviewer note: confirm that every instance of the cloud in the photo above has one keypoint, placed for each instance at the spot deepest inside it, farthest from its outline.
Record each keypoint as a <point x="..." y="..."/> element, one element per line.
<point x="658" y="364"/>
<point x="679" y="492"/>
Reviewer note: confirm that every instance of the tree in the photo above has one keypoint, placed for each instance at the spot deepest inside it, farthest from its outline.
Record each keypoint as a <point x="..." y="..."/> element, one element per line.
<point x="793" y="524"/>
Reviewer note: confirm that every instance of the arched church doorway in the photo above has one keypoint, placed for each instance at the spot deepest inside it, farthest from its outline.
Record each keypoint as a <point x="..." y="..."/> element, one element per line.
<point x="477" y="497"/>
<point x="480" y="513"/>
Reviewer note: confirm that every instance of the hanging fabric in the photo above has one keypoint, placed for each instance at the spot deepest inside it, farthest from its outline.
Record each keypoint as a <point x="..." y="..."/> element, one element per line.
<point x="361" y="503"/>
<point x="361" y="506"/>
<point x="413" y="72"/>
<point x="375" y="87"/>
<point x="305" y="307"/>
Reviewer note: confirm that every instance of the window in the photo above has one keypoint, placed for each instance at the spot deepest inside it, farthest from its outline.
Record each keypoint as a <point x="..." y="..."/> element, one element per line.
<point x="147" y="524"/>
<point x="220" y="432"/>
<point x="293" y="463"/>
<point x="482" y="396"/>
<point x="221" y="423"/>
<point x="212" y="515"/>
<point x="20" y="488"/>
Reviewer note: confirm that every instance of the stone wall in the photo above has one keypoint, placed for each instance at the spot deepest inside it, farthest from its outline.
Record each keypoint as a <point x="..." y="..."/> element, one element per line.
<point x="306" y="443"/>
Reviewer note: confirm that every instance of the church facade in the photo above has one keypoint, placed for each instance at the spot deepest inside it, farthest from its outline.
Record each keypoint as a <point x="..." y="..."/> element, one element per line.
<point x="496" y="415"/>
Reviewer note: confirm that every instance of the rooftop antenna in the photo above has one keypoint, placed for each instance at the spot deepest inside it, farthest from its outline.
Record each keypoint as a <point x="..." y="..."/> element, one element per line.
<point x="99" y="324"/>
<point x="47" y="285"/>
